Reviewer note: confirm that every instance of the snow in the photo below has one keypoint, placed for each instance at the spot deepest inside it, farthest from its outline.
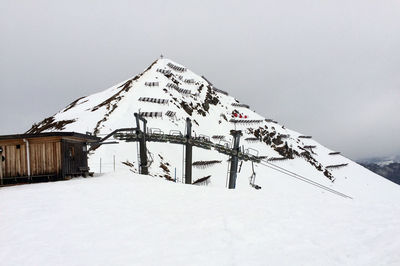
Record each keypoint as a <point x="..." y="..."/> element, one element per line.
<point x="124" y="218"/>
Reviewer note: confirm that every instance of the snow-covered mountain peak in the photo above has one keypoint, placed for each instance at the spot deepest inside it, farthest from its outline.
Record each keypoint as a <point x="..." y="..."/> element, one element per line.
<point x="166" y="93"/>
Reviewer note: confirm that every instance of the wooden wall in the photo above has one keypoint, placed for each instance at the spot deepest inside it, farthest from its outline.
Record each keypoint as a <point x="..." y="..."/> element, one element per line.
<point x="45" y="157"/>
<point x="15" y="163"/>
<point x="49" y="157"/>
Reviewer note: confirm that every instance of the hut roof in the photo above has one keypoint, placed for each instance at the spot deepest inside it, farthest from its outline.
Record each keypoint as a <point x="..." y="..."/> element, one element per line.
<point x="89" y="138"/>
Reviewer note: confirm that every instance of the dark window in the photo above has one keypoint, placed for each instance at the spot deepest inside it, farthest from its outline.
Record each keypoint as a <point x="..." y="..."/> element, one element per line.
<point x="18" y="146"/>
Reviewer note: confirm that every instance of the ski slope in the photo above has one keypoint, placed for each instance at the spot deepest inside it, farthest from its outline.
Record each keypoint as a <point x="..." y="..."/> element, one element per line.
<point x="129" y="219"/>
<point x="119" y="217"/>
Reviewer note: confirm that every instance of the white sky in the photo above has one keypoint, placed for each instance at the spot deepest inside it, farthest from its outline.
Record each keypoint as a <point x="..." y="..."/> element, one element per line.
<point x="325" y="68"/>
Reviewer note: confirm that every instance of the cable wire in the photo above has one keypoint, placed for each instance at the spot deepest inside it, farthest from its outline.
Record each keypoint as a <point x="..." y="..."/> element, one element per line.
<point x="303" y="178"/>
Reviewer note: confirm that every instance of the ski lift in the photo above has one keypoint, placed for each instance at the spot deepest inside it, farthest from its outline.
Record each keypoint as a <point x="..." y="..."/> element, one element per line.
<point x="156" y="131"/>
<point x="204" y="137"/>
<point x="253" y="178"/>
<point x="225" y="143"/>
<point x="175" y="133"/>
<point x="251" y="151"/>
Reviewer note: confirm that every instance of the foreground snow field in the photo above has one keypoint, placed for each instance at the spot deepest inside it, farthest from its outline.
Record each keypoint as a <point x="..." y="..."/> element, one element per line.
<point x="129" y="219"/>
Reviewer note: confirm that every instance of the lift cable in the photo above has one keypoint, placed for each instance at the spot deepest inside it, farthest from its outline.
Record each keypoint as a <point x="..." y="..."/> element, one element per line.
<point x="303" y="178"/>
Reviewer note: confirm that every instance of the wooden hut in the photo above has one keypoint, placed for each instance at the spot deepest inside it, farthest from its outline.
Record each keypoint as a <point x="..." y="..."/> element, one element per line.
<point x="43" y="157"/>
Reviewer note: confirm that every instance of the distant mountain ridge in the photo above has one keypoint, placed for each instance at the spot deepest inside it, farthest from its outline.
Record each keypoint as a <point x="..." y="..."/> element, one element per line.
<point x="388" y="167"/>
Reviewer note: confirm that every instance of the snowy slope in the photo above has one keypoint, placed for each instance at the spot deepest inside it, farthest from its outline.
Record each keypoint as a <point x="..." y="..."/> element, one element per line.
<point x="129" y="219"/>
<point x="122" y="218"/>
<point x="210" y="111"/>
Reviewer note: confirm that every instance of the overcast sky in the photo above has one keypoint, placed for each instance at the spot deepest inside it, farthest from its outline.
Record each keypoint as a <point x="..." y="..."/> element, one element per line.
<point x="330" y="69"/>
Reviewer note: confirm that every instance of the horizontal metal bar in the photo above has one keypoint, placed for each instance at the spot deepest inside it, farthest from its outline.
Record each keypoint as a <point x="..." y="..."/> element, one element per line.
<point x="102" y="143"/>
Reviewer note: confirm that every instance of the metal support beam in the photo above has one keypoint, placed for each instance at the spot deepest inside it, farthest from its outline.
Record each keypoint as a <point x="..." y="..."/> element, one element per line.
<point x="95" y="145"/>
<point x="143" y="167"/>
<point x="103" y="143"/>
<point x="234" y="158"/>
<point x="188" y="152"/>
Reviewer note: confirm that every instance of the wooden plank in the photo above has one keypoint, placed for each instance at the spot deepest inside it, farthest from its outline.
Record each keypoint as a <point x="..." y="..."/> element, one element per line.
<point x="54" y="155"/>
<point x="33" y="159"/>
<point x="31" y="140"/>
<point x="10" y="161"/>
<point x="1" y="167"/>
<point x="41" y="160"/>
<point x="18" y="161"/>
<point x="62" y="158"/>
<point x="48" y="157"/>
<point x="50" y="147"/>
<point x="58" y="158"/>
<point x="24" y="167"/>
<point x="6" y="162"/>
<point x="43" y="157"/>
<point x="11" y="142"/>
<point x="5" y="165"/>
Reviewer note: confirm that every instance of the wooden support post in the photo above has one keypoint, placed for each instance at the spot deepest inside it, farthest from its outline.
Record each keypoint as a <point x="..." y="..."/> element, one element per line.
<point x="234" y="158"/>
<point x="143" y="168"/>
<point x="188" y="152"/>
